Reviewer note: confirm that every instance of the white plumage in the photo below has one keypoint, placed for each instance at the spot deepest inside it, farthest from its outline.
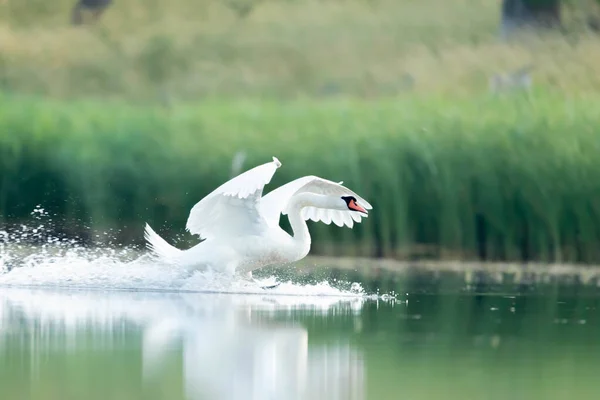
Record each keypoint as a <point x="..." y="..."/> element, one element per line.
<point x="241" y="226"/>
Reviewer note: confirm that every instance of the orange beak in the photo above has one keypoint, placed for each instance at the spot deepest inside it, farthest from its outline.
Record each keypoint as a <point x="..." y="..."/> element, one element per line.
<point x="353" y="206"/>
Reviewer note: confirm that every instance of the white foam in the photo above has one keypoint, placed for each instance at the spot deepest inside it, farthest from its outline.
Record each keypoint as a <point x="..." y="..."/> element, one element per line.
<point x="64" y="263"/>
<point x="104" y="270"/>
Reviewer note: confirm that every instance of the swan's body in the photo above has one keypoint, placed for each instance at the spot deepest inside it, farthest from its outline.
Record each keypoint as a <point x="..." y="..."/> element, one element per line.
<point x="241" y="227"/>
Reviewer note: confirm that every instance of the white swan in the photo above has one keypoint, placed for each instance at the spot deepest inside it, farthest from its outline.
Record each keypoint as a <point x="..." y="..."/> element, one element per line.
<point x="240" y="227"/>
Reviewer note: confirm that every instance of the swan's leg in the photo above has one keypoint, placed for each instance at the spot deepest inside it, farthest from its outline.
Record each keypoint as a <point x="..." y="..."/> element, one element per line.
<point x="247" y="276"/>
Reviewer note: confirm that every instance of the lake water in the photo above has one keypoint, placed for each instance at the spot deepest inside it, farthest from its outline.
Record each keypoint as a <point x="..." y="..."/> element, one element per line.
<point x="97" y="330"/>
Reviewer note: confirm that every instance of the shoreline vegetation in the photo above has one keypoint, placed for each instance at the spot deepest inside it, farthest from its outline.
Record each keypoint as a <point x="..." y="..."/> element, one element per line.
<point x="166" y="51"/>
<point x="138" y="116"/>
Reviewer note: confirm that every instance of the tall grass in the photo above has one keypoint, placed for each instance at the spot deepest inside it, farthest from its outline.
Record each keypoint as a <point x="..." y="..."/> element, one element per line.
<point x="191" y="49"/>
<point x="501" y="178"/>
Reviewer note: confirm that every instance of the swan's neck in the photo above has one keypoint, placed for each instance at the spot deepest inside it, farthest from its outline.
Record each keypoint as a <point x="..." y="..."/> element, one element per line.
<point x="301" y="239"/>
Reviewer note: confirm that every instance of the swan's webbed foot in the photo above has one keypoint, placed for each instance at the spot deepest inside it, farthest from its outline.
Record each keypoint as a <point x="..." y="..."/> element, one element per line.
<point x="268" y="286"/>
<point x="248" y="277"/>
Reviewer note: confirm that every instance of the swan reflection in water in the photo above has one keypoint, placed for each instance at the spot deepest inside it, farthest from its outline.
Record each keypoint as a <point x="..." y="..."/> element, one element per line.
<point x="233" y="346"/>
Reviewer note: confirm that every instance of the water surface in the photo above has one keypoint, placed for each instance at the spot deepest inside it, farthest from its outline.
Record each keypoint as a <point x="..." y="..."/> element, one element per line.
<point x="436" y="341"/>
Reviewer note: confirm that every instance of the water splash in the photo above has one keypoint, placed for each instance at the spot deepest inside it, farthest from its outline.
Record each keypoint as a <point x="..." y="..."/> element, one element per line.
<point x="30" y="256"/>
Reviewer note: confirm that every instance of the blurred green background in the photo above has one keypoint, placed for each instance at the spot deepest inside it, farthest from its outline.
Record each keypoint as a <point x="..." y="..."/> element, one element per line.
<point x="469" y="145"/>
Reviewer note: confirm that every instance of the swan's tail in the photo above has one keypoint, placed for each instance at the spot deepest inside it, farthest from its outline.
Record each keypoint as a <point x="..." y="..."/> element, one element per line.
<point x="160" y="247"/>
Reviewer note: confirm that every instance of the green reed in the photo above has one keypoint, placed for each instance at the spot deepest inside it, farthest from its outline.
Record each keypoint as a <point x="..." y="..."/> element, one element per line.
<point x="500" y="178"/>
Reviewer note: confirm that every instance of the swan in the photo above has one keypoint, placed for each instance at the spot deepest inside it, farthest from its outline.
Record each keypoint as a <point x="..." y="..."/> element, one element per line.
<point x="239" y="227"/>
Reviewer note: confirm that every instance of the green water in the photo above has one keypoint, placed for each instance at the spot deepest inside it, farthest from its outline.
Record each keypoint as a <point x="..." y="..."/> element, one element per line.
<point x="496" y="341"/>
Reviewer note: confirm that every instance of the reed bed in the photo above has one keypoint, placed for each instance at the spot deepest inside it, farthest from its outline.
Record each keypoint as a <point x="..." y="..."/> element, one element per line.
<point x="512" y="177"/>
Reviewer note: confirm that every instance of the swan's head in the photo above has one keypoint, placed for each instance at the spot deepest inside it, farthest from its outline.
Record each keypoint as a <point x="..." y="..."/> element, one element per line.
<point x="351" y="204"/>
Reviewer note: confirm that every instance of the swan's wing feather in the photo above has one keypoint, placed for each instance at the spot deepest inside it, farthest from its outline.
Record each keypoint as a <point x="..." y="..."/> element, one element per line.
<point x="233" y="208"/>
<point x="275" y="202"/>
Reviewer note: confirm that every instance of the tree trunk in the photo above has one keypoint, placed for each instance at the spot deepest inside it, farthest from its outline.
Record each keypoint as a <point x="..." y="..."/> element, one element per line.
<point x="536" y="14"/>
<point x="97" y="7"/>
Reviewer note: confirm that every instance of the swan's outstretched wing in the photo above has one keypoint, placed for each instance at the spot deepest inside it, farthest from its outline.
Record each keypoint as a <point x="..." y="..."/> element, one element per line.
<point x="232" y="208"/>
<point x="275" y="202"/>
